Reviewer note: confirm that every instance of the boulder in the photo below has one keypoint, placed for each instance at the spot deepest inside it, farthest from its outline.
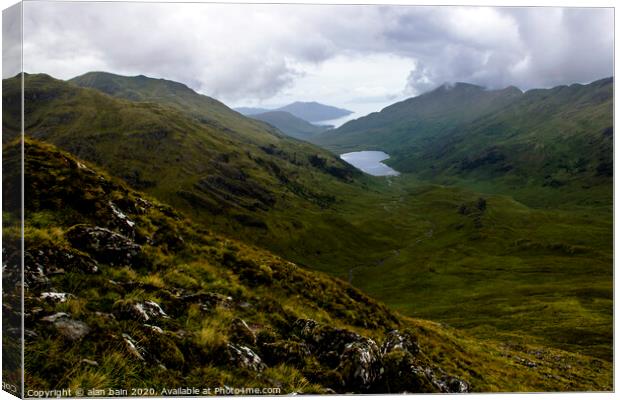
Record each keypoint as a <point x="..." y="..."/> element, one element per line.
<point x="133" y="348"/>
<point x="403" y="374"/>
<point x="451" y="384"/>
<point x="208" y="301"/>
<point x="356" y="358"/>
<point x="244" y="357"/>
<point x="120" y="222"/>
<point x="360" y="365"/>
<point x="69" y="328"/>
<point x="144" y="311"/>
<point x="396" y="340"/>
<point x="42" y="262"/>
<point x="103" y="244"/>
<point x="56" y="297"/>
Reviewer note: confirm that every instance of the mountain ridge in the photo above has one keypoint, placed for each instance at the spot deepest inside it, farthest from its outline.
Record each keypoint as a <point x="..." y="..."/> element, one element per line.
<point x="290" y="124"/>
<point x="309" y="111"/>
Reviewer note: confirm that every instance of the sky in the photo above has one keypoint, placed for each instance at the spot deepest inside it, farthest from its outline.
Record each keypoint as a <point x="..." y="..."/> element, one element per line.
<point x="357" y="57"/>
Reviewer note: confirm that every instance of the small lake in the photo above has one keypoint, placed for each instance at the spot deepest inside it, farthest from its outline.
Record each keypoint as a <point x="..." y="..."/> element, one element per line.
<point x="370" y="162"/>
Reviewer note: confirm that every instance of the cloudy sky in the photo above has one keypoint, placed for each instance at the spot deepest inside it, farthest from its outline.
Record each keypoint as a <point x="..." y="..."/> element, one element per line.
<point x="361" y="57"/>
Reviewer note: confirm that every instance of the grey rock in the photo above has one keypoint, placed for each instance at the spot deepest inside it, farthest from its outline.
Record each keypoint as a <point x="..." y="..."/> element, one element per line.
<point x="396" y="340"/>
<point x="103" y="244"/>
<point x="244" y="357"/>
<point x="56" y="297"/>
<point x="133" y="347"/>
<point x="141" y="311"/>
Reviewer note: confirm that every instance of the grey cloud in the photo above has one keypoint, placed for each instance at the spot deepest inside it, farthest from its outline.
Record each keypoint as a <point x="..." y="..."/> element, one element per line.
<point x="257" y="51"/>
<point x="11" y="41"/>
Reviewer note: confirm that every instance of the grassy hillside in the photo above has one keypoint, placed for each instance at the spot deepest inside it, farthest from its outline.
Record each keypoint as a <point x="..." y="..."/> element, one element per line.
<point x="290" y="124"/>
<point x="223" y="174"/>
<point x="412" y="121"/>
<point x="124" y="291"/>
<point x="498" y="268"/>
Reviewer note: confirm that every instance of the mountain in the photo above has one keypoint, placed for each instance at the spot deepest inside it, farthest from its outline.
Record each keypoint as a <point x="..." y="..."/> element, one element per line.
<point x="430" y="115"/>
<point x="545" y="138"/>
<point x="290" y="124"/>
<point x="308" y="111"/>
<point x="313" y="111"/>
<point x="251" y="110"/>
<point x="190" y="150"/>
<point x="462" y="257"/>
<point x="125" y="291"/>
<point x="204" y="109"/>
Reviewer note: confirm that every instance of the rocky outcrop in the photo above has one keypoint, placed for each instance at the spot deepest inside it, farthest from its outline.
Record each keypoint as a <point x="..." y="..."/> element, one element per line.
<point x="144" y="311"/>
<point x="69" y="328"/>
<point x="364" y="367"/>
<point x="396" y="340"/>
<point x="104" y="245"/>
<point x="244" y="357"/>
<point x="40" y="263"/>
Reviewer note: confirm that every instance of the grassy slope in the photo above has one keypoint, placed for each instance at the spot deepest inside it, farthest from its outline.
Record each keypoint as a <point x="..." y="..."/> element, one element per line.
<point x="371" y="229"/>
<point x="413" y="121"/>
<point x="538" y="275"/>
<point x="63" y="192"/>
<point x="238" y="171"/>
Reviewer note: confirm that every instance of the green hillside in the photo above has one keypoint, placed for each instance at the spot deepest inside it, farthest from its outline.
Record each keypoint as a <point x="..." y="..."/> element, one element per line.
<point x="204" y="108"/>
<point x="423" y="118"/>
<point x="290" y="124"/>
<point x="468" y="254"/>
<point x="235" y="175"/>
<point x="124" y="291"/>
<point x="503" y="141"/>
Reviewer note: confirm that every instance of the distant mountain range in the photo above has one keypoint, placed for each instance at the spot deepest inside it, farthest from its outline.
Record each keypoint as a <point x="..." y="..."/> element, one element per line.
<point x="308" y="111"/>
<point x="290" y="124"/>
<point x="248" y="111"/>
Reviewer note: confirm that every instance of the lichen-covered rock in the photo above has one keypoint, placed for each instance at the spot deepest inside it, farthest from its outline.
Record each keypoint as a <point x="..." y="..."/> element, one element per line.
<point x="244" y="357"/>
<point x="396" y="340"/>
<point x="43" y="262"/>
<point x="144" y="311"/>
<point x="327" y="343"/>
<point x="69" y="328"/>
<point x="121" y="222"/>
<point x="241" y="333"/>
<point x="103" y="244"/>
<point x="56" y="297"/>
<point x="356" y="358"/>
<point x="360" y="365"/>
<point x="451" y="384"/>
<point x="160" y="347"/>
<point x="133" y="348"/>
<point x="402" y="373"/>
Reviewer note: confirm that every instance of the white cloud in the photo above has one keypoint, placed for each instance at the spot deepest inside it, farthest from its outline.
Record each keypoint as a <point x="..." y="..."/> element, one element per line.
<point x="271" y="53"/>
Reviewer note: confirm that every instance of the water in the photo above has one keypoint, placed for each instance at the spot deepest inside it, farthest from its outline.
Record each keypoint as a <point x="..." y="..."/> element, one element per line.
<point x="370" y="162"/>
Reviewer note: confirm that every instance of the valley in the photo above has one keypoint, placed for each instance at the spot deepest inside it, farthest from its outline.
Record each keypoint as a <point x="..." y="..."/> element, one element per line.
<point x="498" y="229"/>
